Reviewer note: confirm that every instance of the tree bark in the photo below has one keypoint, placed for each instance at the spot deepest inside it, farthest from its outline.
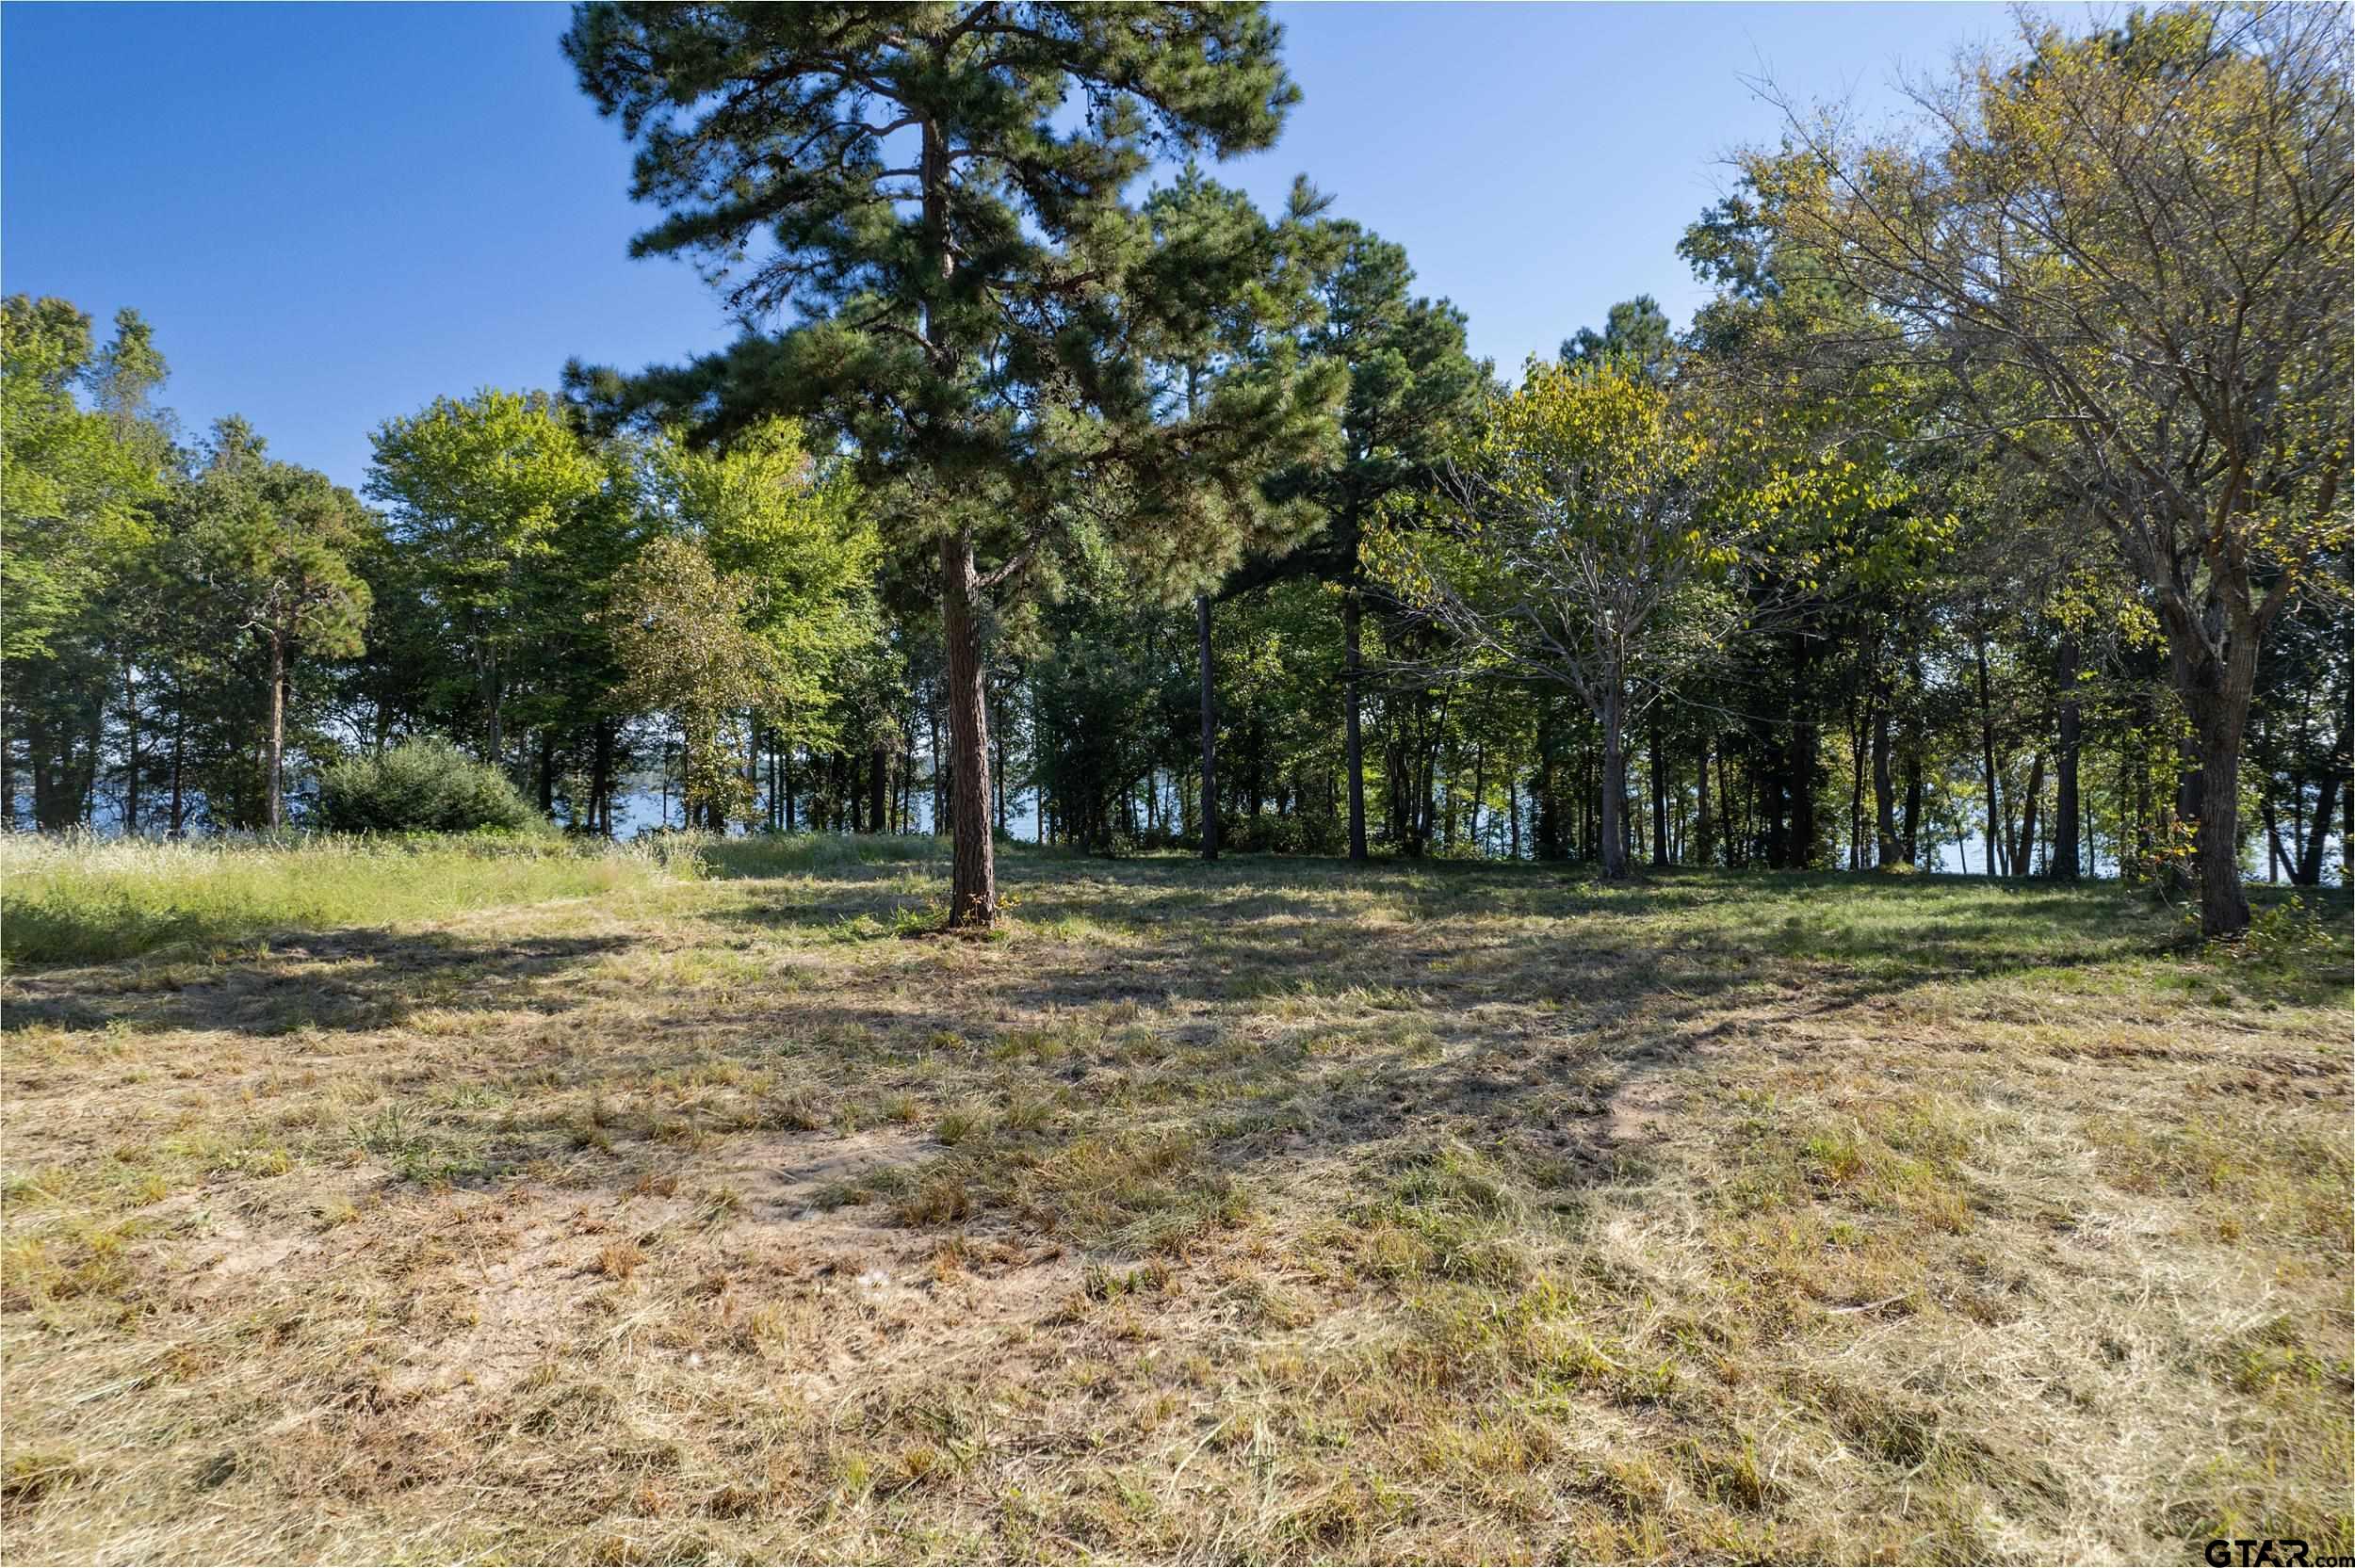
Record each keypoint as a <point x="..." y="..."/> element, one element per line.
<point x="1857" y="726"/>
<point x="275" y="806"/>
<point x="2218" y="718"/>
<point x="131" y="745"/>
<point x="2067" y="852"/>
<point x="1705" y="844"/>
<point x="179" y="732"/>
<point x="601" y="780"/>
<point x="1987" y="757"/>
<point x="1545" y="804"/>
<point x="1353" y="737"/>
<point x="973" y="871"/>
<point x="1210" y="728"/>
<point x="1889" y="850"/>
<point x="1913" y="831"/>
<point x="2308" y="871"/>
<point x="1659" y="795"/>
<point x="1612" y="833"/>
<point x="2024" y="847"/>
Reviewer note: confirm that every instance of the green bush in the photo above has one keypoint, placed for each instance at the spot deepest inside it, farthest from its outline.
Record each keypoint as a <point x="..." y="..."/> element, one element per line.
<point x="421" y="786"/>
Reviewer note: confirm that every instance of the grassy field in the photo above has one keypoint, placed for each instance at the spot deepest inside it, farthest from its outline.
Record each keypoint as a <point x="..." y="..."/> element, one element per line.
<point x="1273" y="1210"/>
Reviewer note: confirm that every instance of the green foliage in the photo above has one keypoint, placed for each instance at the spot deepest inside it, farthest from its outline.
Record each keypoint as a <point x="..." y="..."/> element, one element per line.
<point x="72" y="480"/>
<point x="482" y="491"/>
<point x="790" y="543"/>
<point x="420" y="786"/>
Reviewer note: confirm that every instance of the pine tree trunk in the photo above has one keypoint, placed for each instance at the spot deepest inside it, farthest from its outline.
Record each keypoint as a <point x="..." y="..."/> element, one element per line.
<point x="973" y="871"/>
<point x="1353" y="738"/>
<point x="1210" y="729"/>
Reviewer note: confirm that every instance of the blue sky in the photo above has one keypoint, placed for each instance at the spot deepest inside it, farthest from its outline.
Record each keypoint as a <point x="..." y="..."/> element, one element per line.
<point x="333" y="214"/>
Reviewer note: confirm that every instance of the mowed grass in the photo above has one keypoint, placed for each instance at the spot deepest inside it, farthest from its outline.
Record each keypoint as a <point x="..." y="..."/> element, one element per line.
<point x="1277" y="1210"/>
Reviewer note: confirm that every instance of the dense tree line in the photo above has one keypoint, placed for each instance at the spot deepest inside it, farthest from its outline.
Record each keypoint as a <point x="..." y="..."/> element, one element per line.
<point x="1991" y="516"/>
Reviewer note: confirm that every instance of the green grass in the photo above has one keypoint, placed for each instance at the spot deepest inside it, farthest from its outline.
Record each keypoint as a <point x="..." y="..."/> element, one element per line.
<point x="88" y="901"/>
<point x="1279" y="1210"/>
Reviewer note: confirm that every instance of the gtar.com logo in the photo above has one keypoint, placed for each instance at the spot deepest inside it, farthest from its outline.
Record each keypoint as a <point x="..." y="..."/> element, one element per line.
<point x="2284" y="1552"/>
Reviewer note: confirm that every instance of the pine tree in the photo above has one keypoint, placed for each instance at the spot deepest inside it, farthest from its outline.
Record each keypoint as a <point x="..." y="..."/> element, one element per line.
<point x="903" y="184"/>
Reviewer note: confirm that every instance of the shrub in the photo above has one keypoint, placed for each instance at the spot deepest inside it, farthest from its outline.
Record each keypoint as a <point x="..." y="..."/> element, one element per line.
<point x="420" y="786"/>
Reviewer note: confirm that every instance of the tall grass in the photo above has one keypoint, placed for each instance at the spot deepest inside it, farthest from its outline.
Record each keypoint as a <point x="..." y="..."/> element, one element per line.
<point x="81" y="899"/>
<point x="808" y="854"/>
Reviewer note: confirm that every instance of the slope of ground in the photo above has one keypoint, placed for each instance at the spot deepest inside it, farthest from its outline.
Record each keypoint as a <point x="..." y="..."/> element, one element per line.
<point x="1274" y="1210"/>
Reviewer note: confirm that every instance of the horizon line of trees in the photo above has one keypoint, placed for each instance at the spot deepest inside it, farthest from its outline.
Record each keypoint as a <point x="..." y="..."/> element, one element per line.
<point x="1996" y="500"/>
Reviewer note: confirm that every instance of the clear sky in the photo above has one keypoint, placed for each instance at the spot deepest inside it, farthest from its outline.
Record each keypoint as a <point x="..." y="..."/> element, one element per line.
<point x="333" y="214"/>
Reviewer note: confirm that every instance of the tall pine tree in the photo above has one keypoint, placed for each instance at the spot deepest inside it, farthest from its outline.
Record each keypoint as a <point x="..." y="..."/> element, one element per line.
<point x="932" y="197"/>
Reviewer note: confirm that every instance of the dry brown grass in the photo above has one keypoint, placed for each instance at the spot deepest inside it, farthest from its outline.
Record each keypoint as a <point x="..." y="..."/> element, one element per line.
<point x="1269" y="1212"/>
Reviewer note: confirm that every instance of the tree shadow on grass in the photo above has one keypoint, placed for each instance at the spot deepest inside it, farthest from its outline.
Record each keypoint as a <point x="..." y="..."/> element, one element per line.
<point x="356" y="979"/>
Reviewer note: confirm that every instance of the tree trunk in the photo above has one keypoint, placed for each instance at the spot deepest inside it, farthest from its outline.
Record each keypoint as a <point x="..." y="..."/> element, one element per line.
<point x="878" y="781"/>
<point x="601" y="779"/>
<point x="131" y="745"/>
<point x="1799" y="764"/>
<point x="1704" y="839"/>
<point x="1547" y="807"/>
<point x="179" y="733"/>
<point x="2218" y="718"/>
<point x="1736" y="852"/>
<point x="2023" y="849"/>
<point x="1987" y="758"/>
<point x="1353" y="738"/>
<point x="1613" y="831"/>
<point x="1857" y="726"/>
<point x="2308" y="871"/>
<point x="1913" y="833"/>
<point x="940" y="769"/>
<point x="1210" y="728"/>
<point x="2067" y="852"/>
<point x="973" y="871"/>
<point x="275" y="807"/>
<point x="1889" y="850"/>
<point x="1659" y="795"/>
<point x="491" y="700"/>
